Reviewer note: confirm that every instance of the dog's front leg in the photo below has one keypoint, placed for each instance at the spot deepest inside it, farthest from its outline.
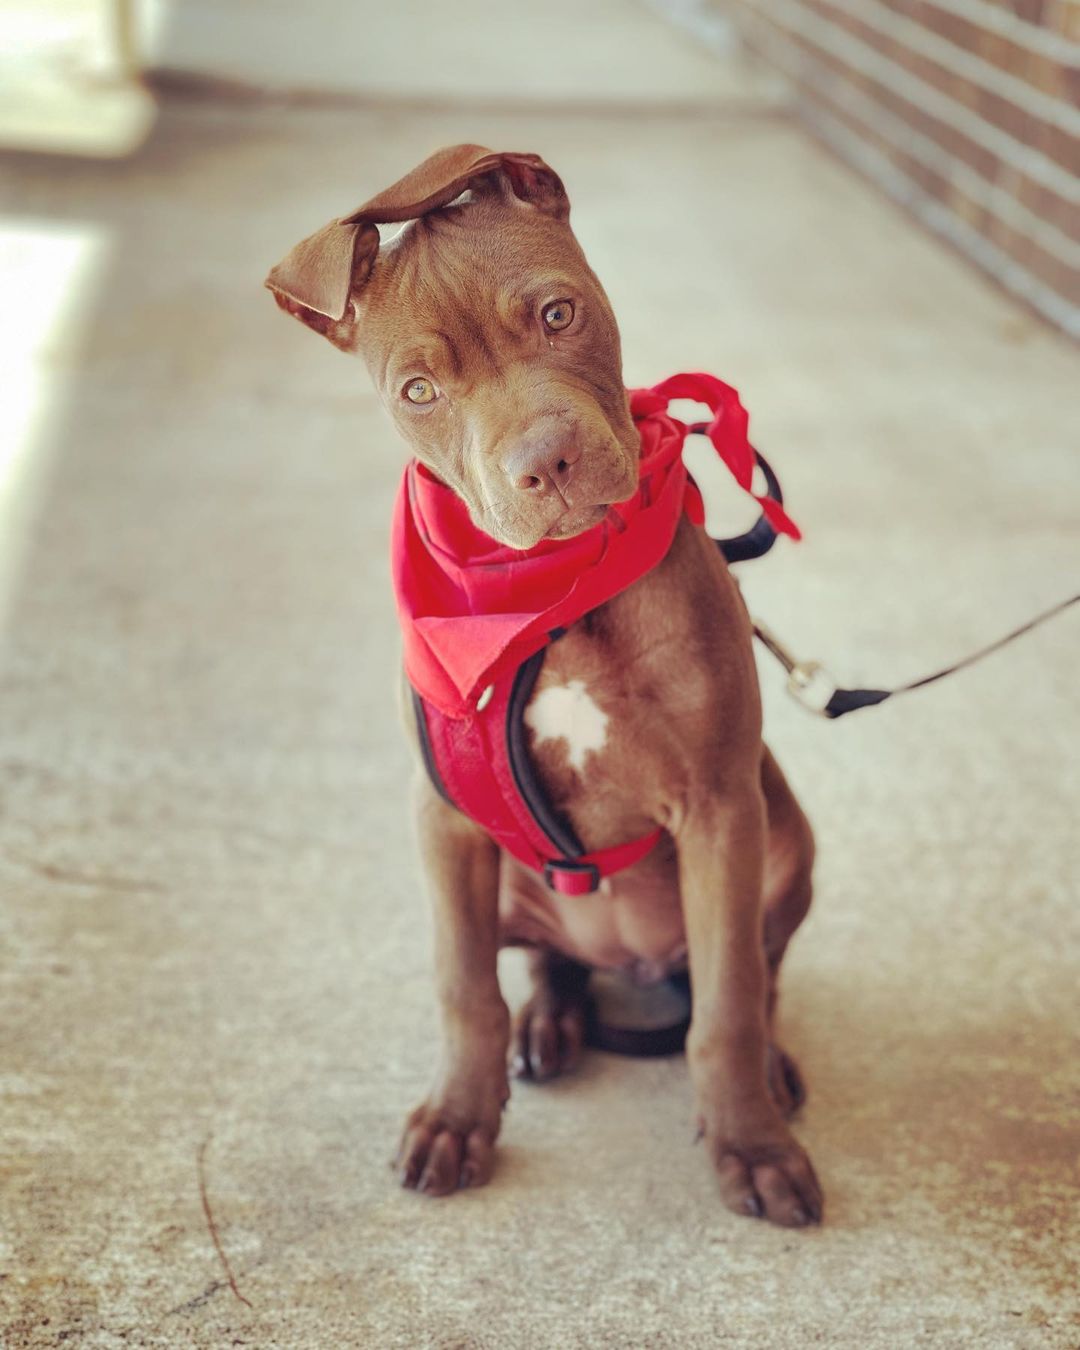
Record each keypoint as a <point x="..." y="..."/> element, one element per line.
<point x="449" y="1140"/>
<point x="762" y="1170"/>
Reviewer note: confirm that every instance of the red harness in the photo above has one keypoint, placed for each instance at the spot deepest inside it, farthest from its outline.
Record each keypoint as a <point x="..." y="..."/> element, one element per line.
<point x="476" y="617"/>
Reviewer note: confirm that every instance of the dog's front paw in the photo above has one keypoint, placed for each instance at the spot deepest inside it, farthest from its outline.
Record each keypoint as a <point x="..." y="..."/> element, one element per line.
<point x="444" y="1149"/>
<point x="770" y="1177"/>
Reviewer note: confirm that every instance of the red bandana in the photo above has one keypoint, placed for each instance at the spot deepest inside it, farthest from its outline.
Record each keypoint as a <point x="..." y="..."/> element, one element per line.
<point x="472" y="609"/>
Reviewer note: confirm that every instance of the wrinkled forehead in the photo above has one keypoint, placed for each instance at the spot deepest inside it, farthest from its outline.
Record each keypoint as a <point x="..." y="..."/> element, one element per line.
<point x="495" y="240"/>
<point x="470" y="273"/>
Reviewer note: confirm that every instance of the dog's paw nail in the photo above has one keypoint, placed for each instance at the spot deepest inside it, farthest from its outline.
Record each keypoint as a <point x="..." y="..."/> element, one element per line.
<point x="799" y="1218"/>
<point x="752" y="1205"/>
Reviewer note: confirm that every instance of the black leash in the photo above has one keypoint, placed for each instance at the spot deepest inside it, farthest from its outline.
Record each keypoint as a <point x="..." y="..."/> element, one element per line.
<point x="808" y="681"/>
<point x="812" y="685"/>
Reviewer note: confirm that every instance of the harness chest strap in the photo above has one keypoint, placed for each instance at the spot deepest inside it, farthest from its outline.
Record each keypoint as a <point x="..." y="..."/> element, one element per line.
<point x="480" y="764"/>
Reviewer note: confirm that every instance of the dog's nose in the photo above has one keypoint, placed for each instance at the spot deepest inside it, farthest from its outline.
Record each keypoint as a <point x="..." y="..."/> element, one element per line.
<point x="542" y="466"/>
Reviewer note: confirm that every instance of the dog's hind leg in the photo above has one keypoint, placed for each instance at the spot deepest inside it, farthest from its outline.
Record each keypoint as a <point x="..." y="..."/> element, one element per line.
<point x="789" y="860"/>
<point x="549" y="1029"/>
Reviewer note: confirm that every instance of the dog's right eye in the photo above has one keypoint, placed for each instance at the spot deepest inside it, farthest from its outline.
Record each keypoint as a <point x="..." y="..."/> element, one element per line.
<point x="420" y="391"/>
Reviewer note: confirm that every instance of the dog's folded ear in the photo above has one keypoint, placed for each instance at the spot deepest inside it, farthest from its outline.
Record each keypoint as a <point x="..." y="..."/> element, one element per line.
<point x="315" y="279"/>
<point x="449" y="172"/>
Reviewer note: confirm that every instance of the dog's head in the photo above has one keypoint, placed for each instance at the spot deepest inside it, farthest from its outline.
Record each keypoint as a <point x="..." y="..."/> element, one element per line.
<point x="488" y="337"/>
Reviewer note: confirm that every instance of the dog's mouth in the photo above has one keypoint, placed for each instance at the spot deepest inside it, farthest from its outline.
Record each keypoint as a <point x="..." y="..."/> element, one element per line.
<point x="522" y="520"/>
<point x="578" y="516"/>
<point x="576" y="520"/>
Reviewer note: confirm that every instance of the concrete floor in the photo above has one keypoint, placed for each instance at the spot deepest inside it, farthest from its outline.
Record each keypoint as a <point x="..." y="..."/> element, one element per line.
<point x="215" y="939"/>
<point x="488" y="52"/>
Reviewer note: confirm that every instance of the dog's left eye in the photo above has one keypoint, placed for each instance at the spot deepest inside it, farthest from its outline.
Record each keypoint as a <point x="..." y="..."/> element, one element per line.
<point x="558" y="316"/>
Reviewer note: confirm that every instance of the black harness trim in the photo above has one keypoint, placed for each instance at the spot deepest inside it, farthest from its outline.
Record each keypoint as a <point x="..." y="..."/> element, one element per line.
<point x="555" y="825"/>
<point x="426" y="750"/>
<point x="560" y="832"/>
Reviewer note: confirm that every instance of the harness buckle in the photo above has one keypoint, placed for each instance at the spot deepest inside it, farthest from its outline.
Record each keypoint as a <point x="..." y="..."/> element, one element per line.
<point x="572" y="878"/>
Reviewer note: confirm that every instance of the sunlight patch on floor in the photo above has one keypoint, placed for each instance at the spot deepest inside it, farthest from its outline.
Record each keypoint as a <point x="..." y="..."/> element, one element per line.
<point x="66" y="87"/>
<point x="48" y="273"/>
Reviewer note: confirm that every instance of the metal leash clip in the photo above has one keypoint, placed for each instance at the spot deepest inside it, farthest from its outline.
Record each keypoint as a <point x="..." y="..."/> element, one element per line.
<point x="808" y="682"/>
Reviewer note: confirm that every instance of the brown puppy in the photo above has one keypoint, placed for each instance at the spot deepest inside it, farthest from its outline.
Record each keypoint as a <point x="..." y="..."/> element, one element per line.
<point x="494" y="348"/>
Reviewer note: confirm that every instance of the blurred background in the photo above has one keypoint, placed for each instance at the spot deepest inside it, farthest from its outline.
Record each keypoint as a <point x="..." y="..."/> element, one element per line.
<point x="862" y="214"/>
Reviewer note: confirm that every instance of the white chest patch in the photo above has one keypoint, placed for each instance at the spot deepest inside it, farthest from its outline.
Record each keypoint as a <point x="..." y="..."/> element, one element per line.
<point x="569" y="713"/>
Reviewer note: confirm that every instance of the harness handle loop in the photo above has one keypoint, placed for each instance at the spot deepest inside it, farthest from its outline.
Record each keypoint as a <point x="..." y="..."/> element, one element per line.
<point x="727" y="431"/>
<point x="761" y="536"/>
